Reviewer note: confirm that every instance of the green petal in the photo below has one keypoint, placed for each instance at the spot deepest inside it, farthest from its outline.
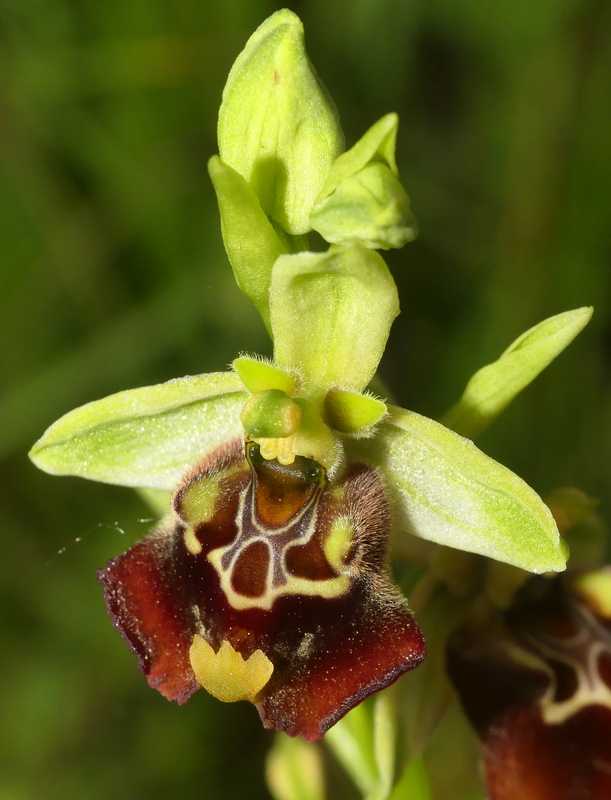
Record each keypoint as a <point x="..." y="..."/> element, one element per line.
<point x="277" y="126"/>
<point x="377" y="143"/>
<point x="362" y="199"/>
<point x="370" y="207"/>
<point x="447" y="491"/>
<point x="351" y="412"/>
<point x="331" y="314"/>
<point x="270" y="414"/>
<point x="145" y="437"/>
<point x="258" y="375"/>
<point x="494" y="386"/>
<point x="250" y="240"/>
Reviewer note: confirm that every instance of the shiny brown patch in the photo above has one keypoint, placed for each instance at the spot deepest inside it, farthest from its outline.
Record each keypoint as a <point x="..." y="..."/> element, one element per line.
<point x="309" y="561"/>
<point x="249" y="576"/>
<point x="282" y="490"/>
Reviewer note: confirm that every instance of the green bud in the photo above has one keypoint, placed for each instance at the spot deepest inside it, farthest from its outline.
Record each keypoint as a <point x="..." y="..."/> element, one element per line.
<point x="277" y="126"/>
<point x="371" y="207"/>
<point x="259" y="375"/>
<point x="362" y="199"/>
<point x="352" y="412"/>
<point x="331" y="315"/>
<point x="250" y="240"/>
<point x="270" y="414"/>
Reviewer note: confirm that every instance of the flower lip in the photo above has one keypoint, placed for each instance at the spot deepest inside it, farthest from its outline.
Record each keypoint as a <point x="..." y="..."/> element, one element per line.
<point x="540" y="696"/>
<point x="261" y="580"/>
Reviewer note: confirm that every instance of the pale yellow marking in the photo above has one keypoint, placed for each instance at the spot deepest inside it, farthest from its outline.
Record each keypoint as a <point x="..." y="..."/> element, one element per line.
<point x="281" y="449"/>
<point x="329" y="588"/>
<point x="337" y="544"/>
<point x="197" y="502"/>
<point x="591" y="690"/>
<point x="581" y="653"/>
<point x="192" y="543"/>
<point x="226" y="675"/>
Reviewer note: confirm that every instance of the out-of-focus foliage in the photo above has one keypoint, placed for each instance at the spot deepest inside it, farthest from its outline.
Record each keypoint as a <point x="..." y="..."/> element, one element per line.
<point x="113" y="275"/>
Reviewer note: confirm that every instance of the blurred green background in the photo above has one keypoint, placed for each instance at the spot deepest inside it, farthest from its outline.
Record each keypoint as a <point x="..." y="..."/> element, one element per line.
<point x="112" y="275"/>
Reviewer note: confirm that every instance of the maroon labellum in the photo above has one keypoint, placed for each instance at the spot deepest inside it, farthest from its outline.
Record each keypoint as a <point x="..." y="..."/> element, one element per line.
<point x="540" y="696"/>
<point x="267" y="582"/>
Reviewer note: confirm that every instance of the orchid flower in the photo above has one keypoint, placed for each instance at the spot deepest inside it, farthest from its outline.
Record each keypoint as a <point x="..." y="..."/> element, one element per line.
<point x="268" y="578"/>
<point x="538" y="690"/>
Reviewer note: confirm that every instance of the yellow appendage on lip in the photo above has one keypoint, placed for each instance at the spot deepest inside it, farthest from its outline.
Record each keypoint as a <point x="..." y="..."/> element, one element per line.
<point x="226" y="675"/>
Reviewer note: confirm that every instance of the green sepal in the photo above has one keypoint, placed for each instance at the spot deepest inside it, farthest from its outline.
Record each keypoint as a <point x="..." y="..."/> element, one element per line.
<point x="352" y="412"/>
<point x="447" y="491"/>
<point x="494" y="386"/>
<point x="259" y="375"/>
<point x="250" y="240"/>
<point x="362" y="199"/>
<point x="331" y="314"/>
<point x="277" y="125"/>
<point x="145" y="437"/>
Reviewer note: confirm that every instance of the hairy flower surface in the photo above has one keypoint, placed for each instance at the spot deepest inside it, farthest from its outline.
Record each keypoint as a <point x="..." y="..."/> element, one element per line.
<point x="540" y="695"/>
<point x="267" y="583"/>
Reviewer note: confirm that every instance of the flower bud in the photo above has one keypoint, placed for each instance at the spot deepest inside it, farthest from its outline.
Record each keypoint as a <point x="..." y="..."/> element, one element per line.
<point x="362" y="200"/>
<point x="277" y="126"/>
